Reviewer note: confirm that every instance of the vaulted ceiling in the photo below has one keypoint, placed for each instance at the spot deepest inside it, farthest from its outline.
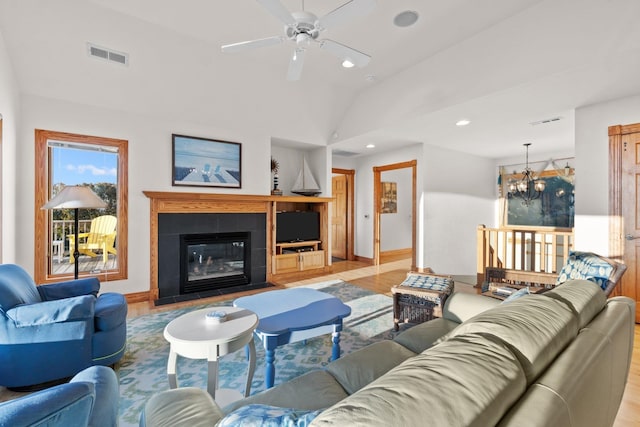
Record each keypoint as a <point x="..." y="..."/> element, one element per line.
<point x="503" y="64"/>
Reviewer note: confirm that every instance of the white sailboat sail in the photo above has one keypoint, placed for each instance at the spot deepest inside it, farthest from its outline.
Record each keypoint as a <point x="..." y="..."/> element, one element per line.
<point x="306" y="184"/>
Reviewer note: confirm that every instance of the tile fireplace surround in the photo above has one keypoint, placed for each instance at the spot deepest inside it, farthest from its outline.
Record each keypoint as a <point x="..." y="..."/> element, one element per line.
<point x="200" y="203"/>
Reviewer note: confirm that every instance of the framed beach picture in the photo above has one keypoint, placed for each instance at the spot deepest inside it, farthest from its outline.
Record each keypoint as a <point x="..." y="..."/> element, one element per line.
<point x="203" y="162"/>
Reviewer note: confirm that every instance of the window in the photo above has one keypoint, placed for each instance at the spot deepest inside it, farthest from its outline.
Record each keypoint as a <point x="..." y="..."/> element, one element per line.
<point x="95" y="162"/>
<point x="553" y="207"/>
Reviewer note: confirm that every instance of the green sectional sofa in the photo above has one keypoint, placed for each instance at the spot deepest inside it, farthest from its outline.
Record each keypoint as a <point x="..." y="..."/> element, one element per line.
<point x="555" y="359"/>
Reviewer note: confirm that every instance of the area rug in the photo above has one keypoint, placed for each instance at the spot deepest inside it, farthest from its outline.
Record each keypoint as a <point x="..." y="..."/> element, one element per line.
<point x="143" y="370"/>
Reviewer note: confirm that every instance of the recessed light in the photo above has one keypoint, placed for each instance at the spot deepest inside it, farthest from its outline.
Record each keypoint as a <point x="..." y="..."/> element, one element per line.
<point x="406" y="18"/>
<point x="370" y="146"/>
<point x="463" y="122"/>
<point x="347" y="63"/>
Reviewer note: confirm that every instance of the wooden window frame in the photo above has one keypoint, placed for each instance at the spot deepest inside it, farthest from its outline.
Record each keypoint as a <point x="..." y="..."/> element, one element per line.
<point x="42" y="195"/>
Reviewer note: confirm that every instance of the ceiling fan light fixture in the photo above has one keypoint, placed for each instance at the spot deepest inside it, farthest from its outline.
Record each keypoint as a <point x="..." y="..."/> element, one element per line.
<point x="347" y="63"/>
<point x="302" y="28"/>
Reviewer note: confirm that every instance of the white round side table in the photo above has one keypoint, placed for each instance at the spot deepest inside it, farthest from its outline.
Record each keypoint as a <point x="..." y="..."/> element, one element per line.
<point x="194" y="336"/>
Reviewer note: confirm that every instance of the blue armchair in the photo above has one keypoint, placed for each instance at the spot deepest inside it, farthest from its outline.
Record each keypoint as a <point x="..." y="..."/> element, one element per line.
<point x="52" y="332"/>
<point x="90" y="399"/>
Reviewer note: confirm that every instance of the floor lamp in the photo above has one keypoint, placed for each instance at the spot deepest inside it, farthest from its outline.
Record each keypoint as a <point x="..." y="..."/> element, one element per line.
<point x="76" y="197"/>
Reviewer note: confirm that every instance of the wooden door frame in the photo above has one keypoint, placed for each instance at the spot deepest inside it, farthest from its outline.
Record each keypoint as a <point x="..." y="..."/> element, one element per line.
<point x="616" y="195"/>
<point x="350" y="220"/>
<point x="377" y="191"/>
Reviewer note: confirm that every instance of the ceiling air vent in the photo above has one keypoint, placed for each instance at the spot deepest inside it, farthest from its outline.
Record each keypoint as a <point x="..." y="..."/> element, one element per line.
<point x="545" y="121"/>
<point x="344" y="153"/>
<point x="108" y="54"/>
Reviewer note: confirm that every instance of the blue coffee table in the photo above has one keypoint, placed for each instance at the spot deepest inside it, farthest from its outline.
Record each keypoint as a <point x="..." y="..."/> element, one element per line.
<point x="292" y="315"/>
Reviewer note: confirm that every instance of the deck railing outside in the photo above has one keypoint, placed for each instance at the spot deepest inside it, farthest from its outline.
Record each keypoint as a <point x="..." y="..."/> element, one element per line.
<point x="62" y="228"/>
<point x="535" y="250"/>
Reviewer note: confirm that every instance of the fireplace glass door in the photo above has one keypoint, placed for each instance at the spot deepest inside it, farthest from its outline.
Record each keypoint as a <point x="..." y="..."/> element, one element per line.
<point x="211" y="261"/>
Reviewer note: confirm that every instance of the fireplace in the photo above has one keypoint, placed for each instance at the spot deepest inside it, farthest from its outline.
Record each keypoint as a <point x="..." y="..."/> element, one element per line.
<point x="214" y="260"/>
<point x="235" y="242"/>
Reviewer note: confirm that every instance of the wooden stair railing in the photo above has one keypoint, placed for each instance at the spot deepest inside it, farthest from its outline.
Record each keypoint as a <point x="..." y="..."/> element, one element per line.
<point x="536" y="250"/>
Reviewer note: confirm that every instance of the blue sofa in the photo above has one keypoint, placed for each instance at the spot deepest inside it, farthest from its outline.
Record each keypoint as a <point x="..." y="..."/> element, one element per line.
<point x="90" y="399"/>
<point x="52" y="332"/>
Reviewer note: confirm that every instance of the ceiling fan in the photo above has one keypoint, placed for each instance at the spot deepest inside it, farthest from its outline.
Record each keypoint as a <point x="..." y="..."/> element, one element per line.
<point x="304" y="27"/>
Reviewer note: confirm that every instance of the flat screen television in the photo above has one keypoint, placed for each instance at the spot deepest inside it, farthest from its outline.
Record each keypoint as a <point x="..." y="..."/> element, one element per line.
<point x="297" y="226"/>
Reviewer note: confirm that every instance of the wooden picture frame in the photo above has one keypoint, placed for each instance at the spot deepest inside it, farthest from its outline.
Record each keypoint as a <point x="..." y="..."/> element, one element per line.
<point x="204" y="162"/>
<point x="389" y="199"/>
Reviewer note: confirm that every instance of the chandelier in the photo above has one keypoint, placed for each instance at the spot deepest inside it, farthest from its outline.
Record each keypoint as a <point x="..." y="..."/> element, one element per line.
<point x="529" y="187"/>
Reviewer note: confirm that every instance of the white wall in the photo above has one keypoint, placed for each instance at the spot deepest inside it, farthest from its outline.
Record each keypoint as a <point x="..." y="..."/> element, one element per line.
<point x="363" y="245"/>
<point x="459" y="194"/>
<point x="455" y="193"/>
<point x="592" y="169"/>
<point x="149" y="169"/>
<point x="9" y="112"/>
<point x="395" y="228"/>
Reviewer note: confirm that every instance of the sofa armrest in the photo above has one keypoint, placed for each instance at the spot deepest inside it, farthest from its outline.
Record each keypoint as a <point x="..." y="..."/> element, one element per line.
<point x="461" y="306"/>
<point x="181" y="407"/>
<point x="51" y="312"/>
<point x="64" y="405"/>
<point x="107" y="394"/>
<point x="71" y="288"/>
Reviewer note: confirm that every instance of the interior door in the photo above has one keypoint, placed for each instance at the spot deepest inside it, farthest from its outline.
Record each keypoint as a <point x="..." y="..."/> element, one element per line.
<point x="339" y="217"/>
<point x="624" y="145"/>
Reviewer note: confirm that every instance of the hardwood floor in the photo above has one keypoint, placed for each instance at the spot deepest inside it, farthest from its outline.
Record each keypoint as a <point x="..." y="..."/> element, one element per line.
<point x="381" y="278"/>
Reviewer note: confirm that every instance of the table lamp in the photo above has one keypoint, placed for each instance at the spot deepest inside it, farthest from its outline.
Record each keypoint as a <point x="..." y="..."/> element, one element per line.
<point x="76" y="197"/>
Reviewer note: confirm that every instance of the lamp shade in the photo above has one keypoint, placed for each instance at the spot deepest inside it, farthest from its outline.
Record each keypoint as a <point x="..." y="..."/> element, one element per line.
<point x="74" y="197"/>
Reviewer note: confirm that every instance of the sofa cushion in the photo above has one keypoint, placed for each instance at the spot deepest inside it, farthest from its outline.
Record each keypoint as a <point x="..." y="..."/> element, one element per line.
<point x="361" y="367"/>
<point x="465" y="381"/>
<point x="534" y="327"/>
<point x="267" y="416"/>
<point x="420" y="337"/>
<point x="186" y="406"/>
<point x="462" y="306"/>
<point x="584" y="385"/>
<point x="311" y="391"/>
<point x="584" y="297"/>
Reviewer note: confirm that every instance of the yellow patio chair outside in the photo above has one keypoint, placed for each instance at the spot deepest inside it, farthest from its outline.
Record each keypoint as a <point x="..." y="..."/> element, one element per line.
<point x="101" y="236"/>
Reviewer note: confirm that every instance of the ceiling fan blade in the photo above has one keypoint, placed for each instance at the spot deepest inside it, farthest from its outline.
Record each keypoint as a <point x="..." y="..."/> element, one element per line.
<point x="252" y="44"/>
<point x="279" y="11"/>
<point x="343" y="52"/>
<point x="346" y="12"/>
<point x="295" y="65"/>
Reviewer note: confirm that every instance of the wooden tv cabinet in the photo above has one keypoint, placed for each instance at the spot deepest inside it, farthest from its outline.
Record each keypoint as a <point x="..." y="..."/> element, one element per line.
<point x="291" y="257"/>
<point x="299" y="256"/>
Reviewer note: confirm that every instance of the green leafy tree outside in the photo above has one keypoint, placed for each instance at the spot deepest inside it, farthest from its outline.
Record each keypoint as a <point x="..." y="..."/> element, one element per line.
<point x="105" y="190"/>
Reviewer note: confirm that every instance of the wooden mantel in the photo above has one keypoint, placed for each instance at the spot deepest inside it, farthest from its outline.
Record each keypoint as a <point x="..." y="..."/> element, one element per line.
<point x="184" y="202"/>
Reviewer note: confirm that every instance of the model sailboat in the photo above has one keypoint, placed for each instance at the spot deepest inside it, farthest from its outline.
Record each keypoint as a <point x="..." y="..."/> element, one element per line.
<point x="306" y="184"/>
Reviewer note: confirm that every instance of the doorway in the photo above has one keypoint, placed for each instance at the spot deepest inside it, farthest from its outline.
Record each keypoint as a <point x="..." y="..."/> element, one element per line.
<point x="342" y="217"/>
<point x="378" y="194"/>
<point x="624" y="197"/>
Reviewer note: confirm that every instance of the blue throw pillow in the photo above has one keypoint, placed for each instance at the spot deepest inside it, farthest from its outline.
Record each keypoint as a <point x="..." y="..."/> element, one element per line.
<point x="519" y="294"/>
<point x="586" y="266"/>
<point x="268" y="416"/>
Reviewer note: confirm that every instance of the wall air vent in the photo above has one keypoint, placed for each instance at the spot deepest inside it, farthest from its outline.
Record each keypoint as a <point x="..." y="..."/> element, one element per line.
<point x="108" y="54"/>
<point x="545" y="121"/>
<point x="344" y="153"/>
